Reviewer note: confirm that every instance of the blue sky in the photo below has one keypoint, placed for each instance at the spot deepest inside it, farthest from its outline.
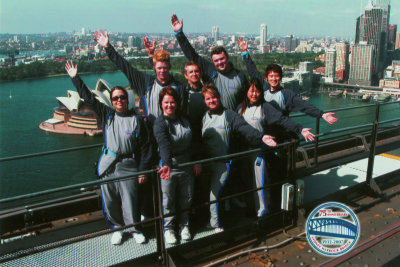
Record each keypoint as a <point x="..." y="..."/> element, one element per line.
<point x="298" y="17"/>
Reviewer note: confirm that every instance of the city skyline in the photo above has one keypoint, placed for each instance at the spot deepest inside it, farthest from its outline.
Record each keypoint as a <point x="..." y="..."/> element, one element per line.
<point x="282" y="17"/>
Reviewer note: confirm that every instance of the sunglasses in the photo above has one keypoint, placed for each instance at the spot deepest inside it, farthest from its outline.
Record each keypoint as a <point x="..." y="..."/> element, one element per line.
<point x="120" y="97"/>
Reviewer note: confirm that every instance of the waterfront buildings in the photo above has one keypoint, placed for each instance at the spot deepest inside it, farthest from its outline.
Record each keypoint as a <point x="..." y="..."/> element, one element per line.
<point x="362" y="64"/>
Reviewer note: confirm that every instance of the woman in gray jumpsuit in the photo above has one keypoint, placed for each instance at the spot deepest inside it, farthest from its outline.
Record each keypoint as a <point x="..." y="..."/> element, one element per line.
<point x="174" y="136"/>
<point x="263" y="116"/>
<point x="126" y="151"/>
<point x="218" y="125"/>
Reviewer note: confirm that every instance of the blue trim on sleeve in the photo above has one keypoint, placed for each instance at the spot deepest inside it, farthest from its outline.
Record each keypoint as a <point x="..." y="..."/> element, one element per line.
<point x="176" y="33"/>
<point x="245" y="55"/>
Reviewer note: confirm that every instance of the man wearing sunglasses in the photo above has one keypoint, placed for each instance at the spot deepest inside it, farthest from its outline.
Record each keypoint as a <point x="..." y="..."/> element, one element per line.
<point x="126" y="151"/>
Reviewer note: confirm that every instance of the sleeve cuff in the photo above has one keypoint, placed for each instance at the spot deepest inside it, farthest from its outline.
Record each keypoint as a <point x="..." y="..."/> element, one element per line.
<point x="176" y="33"/>
<point x="245" y="55"/>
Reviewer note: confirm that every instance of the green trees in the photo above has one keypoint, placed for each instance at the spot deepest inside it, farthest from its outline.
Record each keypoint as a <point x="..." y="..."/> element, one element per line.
<point x="47" y="68"/>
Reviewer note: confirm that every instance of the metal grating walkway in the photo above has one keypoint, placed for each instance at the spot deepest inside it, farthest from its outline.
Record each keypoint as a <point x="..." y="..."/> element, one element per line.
<point x="97" y="251"/>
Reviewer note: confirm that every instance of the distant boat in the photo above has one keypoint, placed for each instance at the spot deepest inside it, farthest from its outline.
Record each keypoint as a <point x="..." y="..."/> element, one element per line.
<point x="336" y="93"/>
<point x="10" y="94"/>
<point x="383" y="98"/>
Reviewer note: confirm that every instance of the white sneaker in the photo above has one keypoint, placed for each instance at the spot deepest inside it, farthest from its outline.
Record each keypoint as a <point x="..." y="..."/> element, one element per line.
<point x="139" y="237"/>
<point x="185" y="234"/>
<point x="170" y="237"/>
<point x="218" y="230"/>
<point x="116" y="238"/>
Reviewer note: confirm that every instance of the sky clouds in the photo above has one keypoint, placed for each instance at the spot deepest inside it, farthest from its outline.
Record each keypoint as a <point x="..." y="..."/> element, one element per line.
<point x="298" y="17"/>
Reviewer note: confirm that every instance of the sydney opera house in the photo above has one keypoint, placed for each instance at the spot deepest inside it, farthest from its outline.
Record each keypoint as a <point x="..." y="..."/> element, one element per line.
<point x="72" y="116"/>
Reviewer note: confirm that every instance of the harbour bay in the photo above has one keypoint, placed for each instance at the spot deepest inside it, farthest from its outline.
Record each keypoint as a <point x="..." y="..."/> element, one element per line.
<point x="25" y="104"/>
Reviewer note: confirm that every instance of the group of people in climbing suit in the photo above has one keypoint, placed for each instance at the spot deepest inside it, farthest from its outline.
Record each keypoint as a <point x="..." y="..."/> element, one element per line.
<point x="217" y="112"/>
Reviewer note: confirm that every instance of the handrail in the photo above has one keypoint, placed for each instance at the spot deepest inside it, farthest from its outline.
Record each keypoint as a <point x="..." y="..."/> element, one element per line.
<point x="99" y="145"/>
<point x="50" y="152"/>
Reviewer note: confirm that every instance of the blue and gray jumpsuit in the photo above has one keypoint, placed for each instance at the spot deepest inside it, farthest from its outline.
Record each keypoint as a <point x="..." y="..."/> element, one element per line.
<point x="217" y="131"/>
<point x="285" y="100"/>
<point x="261" y="117"/>
<point x="231" y="85"/>
<point x="126" y="151"/>
<point x="174" y="138"/>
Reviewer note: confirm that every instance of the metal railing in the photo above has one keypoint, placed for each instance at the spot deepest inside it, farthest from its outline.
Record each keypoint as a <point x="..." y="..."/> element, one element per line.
<point x="159" y="216"/>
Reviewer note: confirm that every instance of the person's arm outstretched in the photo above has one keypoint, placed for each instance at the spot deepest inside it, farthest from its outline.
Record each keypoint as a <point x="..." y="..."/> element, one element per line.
<point x="295" y="103"/>
<point x="206" y="66"/>
<point x="83" y="91"/>
<point x="136" y="78"/>
<point x="250" y="66"/>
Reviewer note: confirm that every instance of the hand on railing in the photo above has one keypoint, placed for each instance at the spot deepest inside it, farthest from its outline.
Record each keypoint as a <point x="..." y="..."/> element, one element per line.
<point x="197" y="169"/>
<point x="328" y="117"/>
<point x="269" y="140"/>
<point x="142" y="179"/>
<point x="309" y="136"/>
<point x="164" y="172"/>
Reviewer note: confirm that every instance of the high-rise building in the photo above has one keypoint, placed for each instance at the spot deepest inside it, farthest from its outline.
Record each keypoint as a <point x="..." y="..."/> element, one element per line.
<point x="130" y="41"/>
<point x="397" y="46"/>
<point x="342" y="59"/>
<point x="361" y="64"/>
<point x="392" y="37"/>
<point x="215" y="33"/>
<point x="373" y="28"/>
<point x="83" y="31"/>
<point x="306" y="66"/>
<point x="263" y="37"/>
<point x="290" y="43"/>
<point x="330" y="64"/>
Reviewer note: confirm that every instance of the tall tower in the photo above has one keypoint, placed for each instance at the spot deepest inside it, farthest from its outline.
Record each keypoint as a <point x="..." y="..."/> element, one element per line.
<point x="330" y="64"/>
<point x="215" y="33"/>
<point x="342" y="59"/>
<point x="130" y="41"/>
<point x="263" y="36"/>
<point x="373" y="28"/>
<point x="361" y="65"/>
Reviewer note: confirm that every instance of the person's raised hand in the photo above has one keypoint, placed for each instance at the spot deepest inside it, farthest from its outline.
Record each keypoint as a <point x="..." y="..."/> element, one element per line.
<point x="176" y="24"/>
<point x="101" y="38"/>
<point x="150" y="47"/>
<point x="71" y="69"/>
<point x="242" y="44"/>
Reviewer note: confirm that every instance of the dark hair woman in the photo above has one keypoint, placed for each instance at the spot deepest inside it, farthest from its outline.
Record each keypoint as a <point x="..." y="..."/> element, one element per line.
<point x="126" y="151"/>
<point x="174" y="136"/>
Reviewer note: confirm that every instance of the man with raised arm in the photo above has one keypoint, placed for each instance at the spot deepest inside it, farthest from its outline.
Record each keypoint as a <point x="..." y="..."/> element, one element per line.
<point x="146" y="86"/>
<point x="230" y="82"/>
<point x="192" y="90"/>
<point x="284" y="100"/>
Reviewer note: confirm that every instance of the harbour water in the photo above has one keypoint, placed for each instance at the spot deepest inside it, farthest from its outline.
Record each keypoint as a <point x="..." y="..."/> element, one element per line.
<point x="25" y="104"/>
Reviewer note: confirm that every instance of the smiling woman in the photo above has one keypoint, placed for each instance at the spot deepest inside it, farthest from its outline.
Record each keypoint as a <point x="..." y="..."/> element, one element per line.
<point x="126" y="151"/>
